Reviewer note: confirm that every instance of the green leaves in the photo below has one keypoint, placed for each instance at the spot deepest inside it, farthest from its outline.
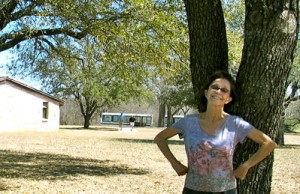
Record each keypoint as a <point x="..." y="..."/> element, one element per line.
<point x="101" y="51"/>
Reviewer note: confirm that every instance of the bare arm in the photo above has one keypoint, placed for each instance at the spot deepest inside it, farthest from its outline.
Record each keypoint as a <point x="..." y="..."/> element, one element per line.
<point x="161" y="141"/>
<point x="267" y="145"/>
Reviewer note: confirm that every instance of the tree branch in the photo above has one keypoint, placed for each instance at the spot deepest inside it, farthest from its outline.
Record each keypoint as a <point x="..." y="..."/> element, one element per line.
<point x="11" y="40"/>
<point x="288" y="100"/>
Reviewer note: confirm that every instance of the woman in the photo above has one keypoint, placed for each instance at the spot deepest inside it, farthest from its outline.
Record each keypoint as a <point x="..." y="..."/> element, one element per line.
<point x="121" y="120"/>
<point x="210" y="138"/>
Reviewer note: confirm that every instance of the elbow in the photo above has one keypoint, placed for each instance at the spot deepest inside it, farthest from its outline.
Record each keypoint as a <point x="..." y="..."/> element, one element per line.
<point x="270" y="146"/>
<point x="158" y="139"/>
<point x="164" y="135"/>
<point x="273" y="145"/>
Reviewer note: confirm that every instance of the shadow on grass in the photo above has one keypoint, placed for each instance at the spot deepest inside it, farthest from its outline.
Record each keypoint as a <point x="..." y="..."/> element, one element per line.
<point x="91" y="128"/>
<point x="41" y="166"/>
<point x="171" y="142"/>
<point x="289" y="146"/>
<point x="3" y="187"/>
<point x="292" y="133"/>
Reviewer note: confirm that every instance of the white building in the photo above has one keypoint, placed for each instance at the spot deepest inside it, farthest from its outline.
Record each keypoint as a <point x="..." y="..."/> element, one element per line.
<point x="24" y="108"/>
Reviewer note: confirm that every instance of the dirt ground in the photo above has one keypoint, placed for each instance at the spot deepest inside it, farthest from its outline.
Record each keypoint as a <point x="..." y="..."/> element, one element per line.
<point x="106" y="161"/>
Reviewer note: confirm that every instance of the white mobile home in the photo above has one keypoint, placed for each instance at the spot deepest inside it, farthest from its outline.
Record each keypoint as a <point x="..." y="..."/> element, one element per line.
<point x="24" y="108"/>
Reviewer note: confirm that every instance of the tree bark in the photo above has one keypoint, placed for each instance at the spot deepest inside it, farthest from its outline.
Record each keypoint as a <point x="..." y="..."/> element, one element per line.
<point x="208" y="42"/>
<point x="270" y="38"/>
<point x="86" y="124"/>
<point x="162" y="113"/>
<point x="169" y="116"/>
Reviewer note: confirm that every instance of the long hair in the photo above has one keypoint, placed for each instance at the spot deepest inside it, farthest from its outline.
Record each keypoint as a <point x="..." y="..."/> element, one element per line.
<point x="212" y="78"/>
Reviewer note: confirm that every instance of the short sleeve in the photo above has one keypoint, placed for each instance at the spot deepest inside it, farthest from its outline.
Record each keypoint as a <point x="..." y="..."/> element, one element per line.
<point x="180" y="126"/>
<point x="243" y="129"/>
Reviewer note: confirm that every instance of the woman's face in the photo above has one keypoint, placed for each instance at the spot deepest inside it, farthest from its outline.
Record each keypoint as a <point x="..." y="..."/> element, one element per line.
<point x="218" y="92"/>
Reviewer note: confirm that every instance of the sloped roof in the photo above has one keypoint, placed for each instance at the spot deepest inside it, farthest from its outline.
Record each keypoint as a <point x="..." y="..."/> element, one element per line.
<point x="6" y="79"/>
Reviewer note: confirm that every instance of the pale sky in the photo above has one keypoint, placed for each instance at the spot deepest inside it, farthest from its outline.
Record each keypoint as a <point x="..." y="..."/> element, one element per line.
<point x="5" y="58"/>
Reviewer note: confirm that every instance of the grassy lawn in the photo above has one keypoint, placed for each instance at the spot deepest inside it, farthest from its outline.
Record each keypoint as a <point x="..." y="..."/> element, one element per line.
<point x="104" y="160"/>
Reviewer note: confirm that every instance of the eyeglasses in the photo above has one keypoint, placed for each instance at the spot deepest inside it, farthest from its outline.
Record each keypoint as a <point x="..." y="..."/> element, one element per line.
<point x="216" y="88"/>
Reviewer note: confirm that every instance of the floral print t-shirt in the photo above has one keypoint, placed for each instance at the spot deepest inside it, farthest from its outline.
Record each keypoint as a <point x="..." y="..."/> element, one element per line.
<point x="210" y="156"/>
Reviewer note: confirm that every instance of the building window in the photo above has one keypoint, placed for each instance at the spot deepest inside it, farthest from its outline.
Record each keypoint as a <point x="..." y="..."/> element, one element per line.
<point x="45" y="110"/>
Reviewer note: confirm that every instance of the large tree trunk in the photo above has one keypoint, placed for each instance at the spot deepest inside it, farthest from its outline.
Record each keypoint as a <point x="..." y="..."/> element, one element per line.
<point x="87" y="109"/>
<point x="270" y="39"/>
<point x="87" y="119"/>
<point x="169" y="116"/>
<point x="208" y="42"/>
<point x="162" y="113"/>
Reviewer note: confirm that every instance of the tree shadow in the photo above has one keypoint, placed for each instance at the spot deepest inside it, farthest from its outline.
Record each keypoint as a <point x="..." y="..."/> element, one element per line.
<point x="100" y="128"/>
<point x="171" y="142"/>
<point x="3" y="187"/>
<point x="289" y="146"/>
<point x="41" y="166"/>
<point x="292" y="132"/>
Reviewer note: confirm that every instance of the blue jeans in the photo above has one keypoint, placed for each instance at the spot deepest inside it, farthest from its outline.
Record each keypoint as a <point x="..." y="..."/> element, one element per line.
<point x="190" y="191"/>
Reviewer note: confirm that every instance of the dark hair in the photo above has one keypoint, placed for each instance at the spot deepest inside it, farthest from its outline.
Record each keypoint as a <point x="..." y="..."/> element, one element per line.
<point x="212" y="78"/>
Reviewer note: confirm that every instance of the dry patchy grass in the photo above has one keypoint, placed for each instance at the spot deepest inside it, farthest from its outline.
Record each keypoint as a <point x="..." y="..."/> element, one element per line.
<point x="107" y="161"/>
